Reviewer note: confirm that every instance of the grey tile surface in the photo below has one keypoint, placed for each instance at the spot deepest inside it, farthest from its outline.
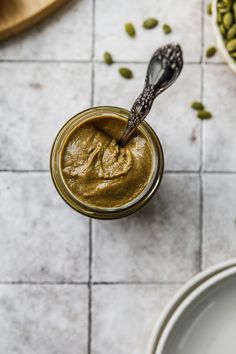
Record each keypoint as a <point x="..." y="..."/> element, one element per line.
<point x="43" y="319"/>
<point x="160" y="243"/>
<point x="66" y="35"/>
<point x="219" y="132"/>
<point x="48" y="74"/>
<point x="40" y="97"/>
<point x="124" y="315"/>
<point x="42" y="239"/>
<point x="111" y="36"/>
<point x="219" y="218"/>
<point x="171" y="115"/>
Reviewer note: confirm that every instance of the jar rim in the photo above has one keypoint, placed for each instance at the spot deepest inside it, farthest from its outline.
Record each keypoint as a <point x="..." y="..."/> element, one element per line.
<point x="90" y="210"/>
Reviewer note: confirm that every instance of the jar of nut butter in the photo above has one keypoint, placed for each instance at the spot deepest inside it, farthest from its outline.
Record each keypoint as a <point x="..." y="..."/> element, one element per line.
<point x="95" y="175"/>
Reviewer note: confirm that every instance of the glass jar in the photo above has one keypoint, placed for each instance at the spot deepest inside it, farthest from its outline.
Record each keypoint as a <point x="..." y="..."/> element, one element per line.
<point x="98" y="212"/>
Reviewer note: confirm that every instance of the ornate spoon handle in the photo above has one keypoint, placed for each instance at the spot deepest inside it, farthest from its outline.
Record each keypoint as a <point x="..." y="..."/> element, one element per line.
<point x="163" y="69"/>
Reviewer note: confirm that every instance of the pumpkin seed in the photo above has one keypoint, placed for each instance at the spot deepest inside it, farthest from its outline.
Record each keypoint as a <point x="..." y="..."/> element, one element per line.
<point x="223" y="10"/>
<point x="204" y="114"/>
<point x="166" y="28"/>
<point x="231" y="45"/>
<point x="228" y="3"/>
<point x="107" y="58"/>
<point x="210" y="52"/>
<point x="126" y="73"/>
<point x="130" y="30"/>
<point x="228" y="20"/>
<point x="219" y="18"/>
<point x="225" y="4"/>
<point x="209" y="9"/>
<point x="222" y="30"/>
<point x="150" y="23"/>
<point x="231" y="32"/>
<point x="198" y="106"/>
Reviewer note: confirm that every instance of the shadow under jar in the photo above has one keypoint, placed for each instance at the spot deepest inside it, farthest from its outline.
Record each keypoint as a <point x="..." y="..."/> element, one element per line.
<point x="94" y="175"/>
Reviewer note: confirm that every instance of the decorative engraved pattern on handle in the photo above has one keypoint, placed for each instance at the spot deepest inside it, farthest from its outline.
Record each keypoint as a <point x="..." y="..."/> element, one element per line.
<point x="168" y="59"/>
<point x="141" y="107"/>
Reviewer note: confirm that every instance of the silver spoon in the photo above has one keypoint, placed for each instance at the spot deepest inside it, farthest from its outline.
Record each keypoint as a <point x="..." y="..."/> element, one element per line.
<point x="163" y="69"/>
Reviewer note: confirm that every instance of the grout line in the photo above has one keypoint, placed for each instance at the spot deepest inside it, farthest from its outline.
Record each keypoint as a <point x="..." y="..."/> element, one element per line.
<point x="214" y="63"/>
<point x="93" y="56"/>
<point x="142" y="62"/>
<point x="201" y="143"/>
<point x="200" y="222"/>
<point x="89" y="283"/>
<point x="45" y="61"/>
<point x="202" y="30"/>
<point x="29" y="282"/>
<point x="92" y="84"/>
<point x="205" y="172"/>
<point x="139" y="283"/>
<point x="190" y="172"/>
<point x="23" y="171"/>
<point x="89" y="61"/>
<point x="128" y="62"/>
<point x="201" y="176"/>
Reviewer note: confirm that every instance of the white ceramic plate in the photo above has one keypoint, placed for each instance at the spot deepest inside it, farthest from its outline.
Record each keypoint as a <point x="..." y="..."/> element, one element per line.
<point x="179" y="298"/>
<point x="205" y="322"/>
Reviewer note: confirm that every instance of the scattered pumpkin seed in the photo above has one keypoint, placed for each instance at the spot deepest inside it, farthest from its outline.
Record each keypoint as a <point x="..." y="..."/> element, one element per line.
<point x="209" y="9"/>
<point x="126" y="73"/>
<point x="130" y="30"/>
<point x="107" y="58"/>
<point x="198" y="106"/>
<point x="228" y="20"/>
<point x="210" y="52"/>
<point x="231" y="32"/>
<point x="166" y="28"/>
<point x="231" y="45"/>
<point x="150" y="23"/>
<point x="204" y="114"/>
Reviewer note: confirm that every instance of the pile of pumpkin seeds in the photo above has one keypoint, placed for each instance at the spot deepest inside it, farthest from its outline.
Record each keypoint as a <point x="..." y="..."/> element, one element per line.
<point x="226" y="19"/>
<point x="129" y="28"/>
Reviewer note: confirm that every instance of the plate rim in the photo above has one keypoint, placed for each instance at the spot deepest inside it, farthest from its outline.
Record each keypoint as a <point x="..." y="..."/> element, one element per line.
<point x="180" y="296"/>
<point x="215" y="279"/>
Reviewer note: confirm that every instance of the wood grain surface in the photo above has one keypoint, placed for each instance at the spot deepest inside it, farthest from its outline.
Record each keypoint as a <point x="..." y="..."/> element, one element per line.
<point x="17" y="15"/>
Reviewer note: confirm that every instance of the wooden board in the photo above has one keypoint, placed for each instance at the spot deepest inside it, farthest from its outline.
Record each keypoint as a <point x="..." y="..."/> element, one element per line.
<point x="17" y="15"/>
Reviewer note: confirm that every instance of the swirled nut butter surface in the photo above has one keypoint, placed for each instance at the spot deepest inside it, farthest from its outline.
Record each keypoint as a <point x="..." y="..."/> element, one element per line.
<point x="101" y="173"/>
